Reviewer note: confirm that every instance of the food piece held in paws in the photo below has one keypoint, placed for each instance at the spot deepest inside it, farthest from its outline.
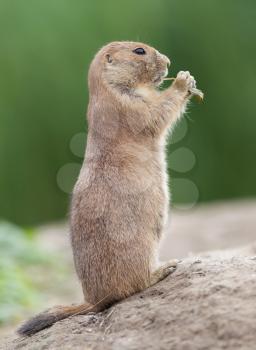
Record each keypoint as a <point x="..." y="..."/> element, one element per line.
<point x="199" y="95"/>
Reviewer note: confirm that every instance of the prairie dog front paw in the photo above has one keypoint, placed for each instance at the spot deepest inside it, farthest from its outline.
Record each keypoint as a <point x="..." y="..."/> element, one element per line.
<point x="184" y="82"/>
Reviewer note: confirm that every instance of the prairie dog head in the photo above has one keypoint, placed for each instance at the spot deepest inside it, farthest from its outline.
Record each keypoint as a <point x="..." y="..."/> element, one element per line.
<point x="127" y="65"/>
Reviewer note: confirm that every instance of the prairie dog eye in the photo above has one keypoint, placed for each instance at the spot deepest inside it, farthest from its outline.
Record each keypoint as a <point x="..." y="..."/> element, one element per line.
<point x="139" y="51"/>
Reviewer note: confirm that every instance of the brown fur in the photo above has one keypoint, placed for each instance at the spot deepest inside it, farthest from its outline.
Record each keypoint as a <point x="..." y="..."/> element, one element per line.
<point x="120" y="201"/>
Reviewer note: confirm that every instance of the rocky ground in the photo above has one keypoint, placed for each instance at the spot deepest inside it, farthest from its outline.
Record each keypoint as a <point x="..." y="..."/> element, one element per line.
<point x="209" y="302"/>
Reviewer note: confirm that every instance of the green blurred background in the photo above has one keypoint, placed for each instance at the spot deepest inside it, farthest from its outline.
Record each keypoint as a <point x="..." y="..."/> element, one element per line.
<point x="46" y="47"/>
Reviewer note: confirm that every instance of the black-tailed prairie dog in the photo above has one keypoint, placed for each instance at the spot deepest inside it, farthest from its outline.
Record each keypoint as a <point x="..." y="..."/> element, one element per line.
<point x="120" y="200"/>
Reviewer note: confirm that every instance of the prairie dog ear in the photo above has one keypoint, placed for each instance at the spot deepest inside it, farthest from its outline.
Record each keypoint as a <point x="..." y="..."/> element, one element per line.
<point x="109" y="58"/>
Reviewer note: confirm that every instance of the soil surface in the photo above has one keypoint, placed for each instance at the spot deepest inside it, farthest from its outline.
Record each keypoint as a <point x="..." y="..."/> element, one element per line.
<point x="209" y="302"/>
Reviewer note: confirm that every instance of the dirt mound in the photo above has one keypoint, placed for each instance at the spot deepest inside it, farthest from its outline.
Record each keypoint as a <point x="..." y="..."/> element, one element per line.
<point x="209" y="302"/>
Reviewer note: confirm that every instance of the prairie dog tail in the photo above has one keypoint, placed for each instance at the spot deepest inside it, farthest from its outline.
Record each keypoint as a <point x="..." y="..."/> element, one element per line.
<point x="51" y="316"/>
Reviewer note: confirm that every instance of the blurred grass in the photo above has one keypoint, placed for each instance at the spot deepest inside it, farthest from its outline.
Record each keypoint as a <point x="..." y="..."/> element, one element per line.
<point x="46" y="48"/>
<point x="25" y="269"/>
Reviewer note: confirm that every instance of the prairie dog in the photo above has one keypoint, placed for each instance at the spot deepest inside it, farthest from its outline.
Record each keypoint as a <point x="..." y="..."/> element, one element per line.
<point x="120" y="201"/>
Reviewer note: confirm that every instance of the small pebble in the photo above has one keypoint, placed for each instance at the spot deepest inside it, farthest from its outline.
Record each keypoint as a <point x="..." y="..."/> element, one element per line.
<point x="197" y="261"/>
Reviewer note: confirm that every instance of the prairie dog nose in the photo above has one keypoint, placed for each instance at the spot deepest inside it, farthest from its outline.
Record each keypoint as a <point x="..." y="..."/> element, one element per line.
<point x="166" y="59"/>
<point x="163" y="58"/>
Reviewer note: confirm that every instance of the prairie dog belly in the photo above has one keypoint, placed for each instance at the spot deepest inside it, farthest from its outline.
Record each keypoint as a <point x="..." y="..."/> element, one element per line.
<point x="129" y="179"/>
<point x="139" y="182"/>
<point x="137" y="193"/>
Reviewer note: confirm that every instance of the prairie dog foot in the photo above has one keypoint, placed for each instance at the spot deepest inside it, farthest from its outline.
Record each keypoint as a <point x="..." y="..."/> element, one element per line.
<point x="184" y="82"/>
<point x="163" y="271"/>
